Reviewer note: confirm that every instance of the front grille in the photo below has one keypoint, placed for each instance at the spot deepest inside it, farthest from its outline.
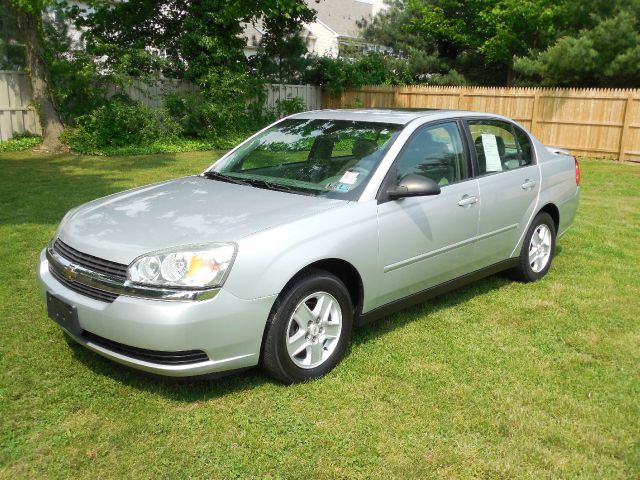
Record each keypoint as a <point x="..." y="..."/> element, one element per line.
<point x="116" y="270"/>
<point x="83" y="289"/>
<point x="185" y="357"/>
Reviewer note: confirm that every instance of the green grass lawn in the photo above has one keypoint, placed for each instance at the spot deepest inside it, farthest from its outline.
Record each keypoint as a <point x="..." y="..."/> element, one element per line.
<point x="497" y="380"/>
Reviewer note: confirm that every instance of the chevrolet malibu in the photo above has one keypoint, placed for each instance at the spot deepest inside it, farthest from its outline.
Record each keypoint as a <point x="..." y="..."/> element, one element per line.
<point x="320" y="222"/>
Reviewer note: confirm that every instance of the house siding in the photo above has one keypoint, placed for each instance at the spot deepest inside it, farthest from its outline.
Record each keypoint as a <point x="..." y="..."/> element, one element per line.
<point x="326" y="43"/>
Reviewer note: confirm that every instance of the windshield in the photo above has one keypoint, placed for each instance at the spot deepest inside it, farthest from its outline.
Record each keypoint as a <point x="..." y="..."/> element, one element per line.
<point x="331" y="158"/>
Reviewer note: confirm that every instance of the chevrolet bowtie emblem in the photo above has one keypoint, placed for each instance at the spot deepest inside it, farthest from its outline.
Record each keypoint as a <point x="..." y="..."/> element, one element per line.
<point x="70" y="273"/>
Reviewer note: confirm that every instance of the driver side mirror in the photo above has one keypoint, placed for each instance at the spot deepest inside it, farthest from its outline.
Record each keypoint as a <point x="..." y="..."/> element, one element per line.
<point x="413" y="185"/>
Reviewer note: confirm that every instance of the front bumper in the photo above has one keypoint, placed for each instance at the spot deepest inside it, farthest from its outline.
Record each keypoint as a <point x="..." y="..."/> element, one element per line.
<point x="228" y="329"/>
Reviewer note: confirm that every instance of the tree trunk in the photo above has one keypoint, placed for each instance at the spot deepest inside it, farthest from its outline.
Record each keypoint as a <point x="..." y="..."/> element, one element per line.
<point x="510" y="75"/>
<point x="29" y="25"/>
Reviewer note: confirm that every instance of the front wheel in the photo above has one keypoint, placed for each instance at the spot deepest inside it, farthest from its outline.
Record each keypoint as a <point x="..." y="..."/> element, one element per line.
<point x="309" y="328"/>
<point x="537" y="249"/>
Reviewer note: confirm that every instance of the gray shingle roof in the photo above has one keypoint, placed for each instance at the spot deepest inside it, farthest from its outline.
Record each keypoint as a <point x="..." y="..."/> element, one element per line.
<point x="342" y="16"/>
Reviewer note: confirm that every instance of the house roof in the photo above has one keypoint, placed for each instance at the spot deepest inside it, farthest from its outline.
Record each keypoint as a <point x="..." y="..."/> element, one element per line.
<point x="343" y="16"/>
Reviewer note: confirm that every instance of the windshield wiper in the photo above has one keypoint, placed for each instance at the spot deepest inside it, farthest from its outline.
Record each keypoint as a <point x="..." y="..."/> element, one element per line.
<point x="224" y="178"/>
<point x="256" y="182"/>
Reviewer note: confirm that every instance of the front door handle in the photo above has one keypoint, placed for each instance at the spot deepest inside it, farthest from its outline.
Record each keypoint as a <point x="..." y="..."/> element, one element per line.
<point x="528" y="184"/>
<point x="466" y="201"/>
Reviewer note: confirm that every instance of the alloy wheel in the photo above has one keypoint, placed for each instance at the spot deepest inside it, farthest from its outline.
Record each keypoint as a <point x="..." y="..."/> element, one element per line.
<point x="314" y="330"/>
<point x="540" y="248"/>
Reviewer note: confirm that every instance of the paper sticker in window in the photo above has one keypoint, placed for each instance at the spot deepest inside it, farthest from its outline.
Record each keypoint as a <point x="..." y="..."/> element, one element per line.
<point x="491" y="153"/>
<point x="349" y="177"/>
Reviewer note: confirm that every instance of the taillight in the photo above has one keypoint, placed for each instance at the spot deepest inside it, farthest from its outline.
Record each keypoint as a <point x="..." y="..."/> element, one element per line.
<point x="577" y="171"/>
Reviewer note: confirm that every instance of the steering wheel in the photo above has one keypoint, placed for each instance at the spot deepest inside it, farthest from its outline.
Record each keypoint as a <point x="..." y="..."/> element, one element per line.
<point x="316" y="172"/>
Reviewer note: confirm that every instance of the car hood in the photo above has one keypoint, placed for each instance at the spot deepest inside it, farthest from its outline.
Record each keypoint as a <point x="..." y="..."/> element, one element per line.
<point x="183" y="211"/>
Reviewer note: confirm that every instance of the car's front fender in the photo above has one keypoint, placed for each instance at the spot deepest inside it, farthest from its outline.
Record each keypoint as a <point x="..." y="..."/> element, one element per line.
<point x="267" y="260"/>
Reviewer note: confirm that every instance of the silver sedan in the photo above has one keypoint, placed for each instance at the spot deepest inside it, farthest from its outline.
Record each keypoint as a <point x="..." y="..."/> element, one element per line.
<point x="320" y="222"/>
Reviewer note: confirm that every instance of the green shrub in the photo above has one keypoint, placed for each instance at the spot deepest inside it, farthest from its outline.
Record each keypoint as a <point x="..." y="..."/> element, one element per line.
<point x="451" y="78"/>
<point x="337" y="74"/>
<point x="200" y="117"/>
<point x="20" y="141"/>
<point x="190" y="111"/>
<point x="227" y="104"/>
<point x="121" y="122"/>
<point x="290" y="106"/>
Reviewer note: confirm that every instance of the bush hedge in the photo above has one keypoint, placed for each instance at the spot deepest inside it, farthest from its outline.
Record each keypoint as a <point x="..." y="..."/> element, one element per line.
<point x="121" y="122"/>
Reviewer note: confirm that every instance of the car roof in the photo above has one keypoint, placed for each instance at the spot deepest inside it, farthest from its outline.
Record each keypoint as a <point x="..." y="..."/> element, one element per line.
<point x="387" y="115"/>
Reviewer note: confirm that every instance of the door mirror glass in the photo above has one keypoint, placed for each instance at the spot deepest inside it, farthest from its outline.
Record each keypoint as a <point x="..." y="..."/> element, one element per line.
<point x="414" y="185"/>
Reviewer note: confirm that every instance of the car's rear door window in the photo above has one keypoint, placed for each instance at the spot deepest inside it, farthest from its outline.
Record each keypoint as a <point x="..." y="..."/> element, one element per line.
<point x="498" y="146"/>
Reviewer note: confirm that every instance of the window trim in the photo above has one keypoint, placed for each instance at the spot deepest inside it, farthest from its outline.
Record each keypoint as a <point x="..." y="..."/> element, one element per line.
<point x="534" y="159"/>
<point x="476" y="164"/>
<point x="390" y="176"/>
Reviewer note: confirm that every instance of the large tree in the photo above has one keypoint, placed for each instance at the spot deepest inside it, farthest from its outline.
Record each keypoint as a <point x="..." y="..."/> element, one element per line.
<point x="476" y="37"/>
<point x="12" y="52"/>
<point x="29" y="21"/>
<point x="282" y="55"/>
<point x="599" y="47"/>
<point x="563" y="42"/>
<point x="182" y="38"/>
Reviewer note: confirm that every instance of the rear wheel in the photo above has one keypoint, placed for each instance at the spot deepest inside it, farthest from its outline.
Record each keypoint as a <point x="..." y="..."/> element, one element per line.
<point x="537" y="249"/>
<point x="309" y="328"/>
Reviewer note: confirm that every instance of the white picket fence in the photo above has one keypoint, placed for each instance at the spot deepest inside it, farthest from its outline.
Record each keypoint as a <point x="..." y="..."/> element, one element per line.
<point x="17" y="114"/>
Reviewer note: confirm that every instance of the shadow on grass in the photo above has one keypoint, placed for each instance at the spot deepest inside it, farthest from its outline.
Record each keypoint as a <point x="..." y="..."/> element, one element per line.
<point x="185" y="390"/>
<point x="177" y="389"/>
<point x="40" y="189"/>
<point x="454" y="298"/>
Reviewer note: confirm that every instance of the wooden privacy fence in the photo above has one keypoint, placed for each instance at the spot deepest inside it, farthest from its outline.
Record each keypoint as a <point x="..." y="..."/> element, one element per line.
<point x="589" y="122"/>
<point x="16" y="112"/>
<point x="311" y="96"/>
<point x="151" y="93"/>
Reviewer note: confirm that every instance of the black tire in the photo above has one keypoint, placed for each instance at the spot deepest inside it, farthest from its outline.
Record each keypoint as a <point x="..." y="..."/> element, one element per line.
<point x="524" y="271"/>
<point x="275" y="359"/>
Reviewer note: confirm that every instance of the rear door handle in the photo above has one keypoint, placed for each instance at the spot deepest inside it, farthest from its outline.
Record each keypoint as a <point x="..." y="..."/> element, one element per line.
<point x="528" y="184"/>
<point x="466" y="200"/>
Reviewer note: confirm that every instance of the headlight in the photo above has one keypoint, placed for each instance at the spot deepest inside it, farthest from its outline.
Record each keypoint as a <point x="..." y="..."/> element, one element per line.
<point x="195" y="266"/>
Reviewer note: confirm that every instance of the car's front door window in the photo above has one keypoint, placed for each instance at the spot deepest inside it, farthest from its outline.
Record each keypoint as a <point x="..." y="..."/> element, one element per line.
<point x="435" y="152"/>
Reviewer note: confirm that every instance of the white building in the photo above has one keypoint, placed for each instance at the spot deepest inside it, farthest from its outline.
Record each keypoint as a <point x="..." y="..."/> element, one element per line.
<point x="337" y="30"/>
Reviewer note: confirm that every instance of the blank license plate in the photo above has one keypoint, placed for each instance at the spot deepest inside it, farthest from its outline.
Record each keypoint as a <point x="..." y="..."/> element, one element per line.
<point x="63" y="314"/>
